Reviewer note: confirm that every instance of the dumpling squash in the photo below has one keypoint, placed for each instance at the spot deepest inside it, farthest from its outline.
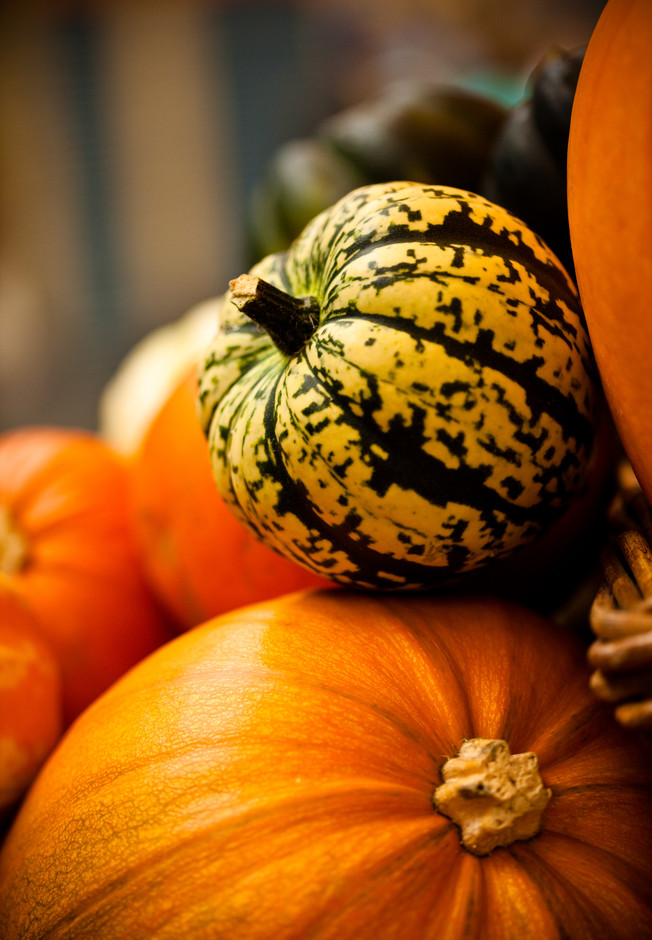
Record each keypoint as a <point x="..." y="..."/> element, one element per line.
<point x="198" y="559"/>
<point x="406" y="394"/>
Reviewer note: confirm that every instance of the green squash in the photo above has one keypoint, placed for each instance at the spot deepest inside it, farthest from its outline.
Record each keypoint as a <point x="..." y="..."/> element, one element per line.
<point x="526" y="169"/>
<point x="406" y="394"/>
<point x="417" y="130"/>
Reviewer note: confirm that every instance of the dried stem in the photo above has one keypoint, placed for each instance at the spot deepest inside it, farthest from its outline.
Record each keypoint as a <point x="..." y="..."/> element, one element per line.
<point x="13" y="546"/>
<point x="621" y="614"/>
<point x="495" y="797"/>
<point x="290" y="321"/>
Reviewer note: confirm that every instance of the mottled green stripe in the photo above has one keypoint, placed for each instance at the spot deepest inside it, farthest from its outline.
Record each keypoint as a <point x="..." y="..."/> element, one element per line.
<point x="541" y="397"/>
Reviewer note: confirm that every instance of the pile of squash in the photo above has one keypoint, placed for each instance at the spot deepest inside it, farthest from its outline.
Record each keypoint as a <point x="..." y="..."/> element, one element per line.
<point x="293" y="663"/>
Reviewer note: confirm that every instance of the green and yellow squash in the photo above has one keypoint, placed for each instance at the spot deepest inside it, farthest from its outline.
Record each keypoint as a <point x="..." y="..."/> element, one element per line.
<point x="406" y="394"/>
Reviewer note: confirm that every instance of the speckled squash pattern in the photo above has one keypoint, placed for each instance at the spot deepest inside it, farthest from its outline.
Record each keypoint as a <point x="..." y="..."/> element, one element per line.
<point x="442" y="412"/>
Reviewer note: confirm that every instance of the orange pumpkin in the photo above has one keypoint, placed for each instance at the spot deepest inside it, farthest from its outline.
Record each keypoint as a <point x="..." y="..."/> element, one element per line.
<point x="30" y="698"/>
<point x="610" y="214"/>
<point x="67" y="548"/>
<point x="277" y="773"/>
<point x="199" y="559"/>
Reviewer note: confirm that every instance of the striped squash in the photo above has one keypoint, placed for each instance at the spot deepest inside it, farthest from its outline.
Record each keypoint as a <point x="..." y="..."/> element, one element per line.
<point x="406" y="394"/>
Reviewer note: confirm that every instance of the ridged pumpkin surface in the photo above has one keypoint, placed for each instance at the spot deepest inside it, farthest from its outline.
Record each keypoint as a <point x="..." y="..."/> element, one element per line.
<point x="270" y="776"/>
<point x="440" y="414"/>
<point x="30" y="698"/>
<point x="68" y="550"/>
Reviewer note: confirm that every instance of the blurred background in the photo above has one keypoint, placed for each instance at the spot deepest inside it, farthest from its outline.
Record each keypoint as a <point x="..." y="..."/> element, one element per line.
<point x="132" y="135"/>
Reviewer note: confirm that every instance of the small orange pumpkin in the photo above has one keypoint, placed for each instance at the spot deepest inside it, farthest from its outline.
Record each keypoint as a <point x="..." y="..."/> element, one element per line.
<point x="610" y="215"/>
<point x="200" y="560"/>
<point x="290" y="771"/>
<point x="30" y="698"/>
<point x="67" y="548"/>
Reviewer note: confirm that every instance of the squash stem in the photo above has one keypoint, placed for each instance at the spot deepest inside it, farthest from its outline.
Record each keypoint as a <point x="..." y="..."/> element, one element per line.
<point x="493" y="796"/>
<point x="13" y="546"/>
<point x="289" y="321"/>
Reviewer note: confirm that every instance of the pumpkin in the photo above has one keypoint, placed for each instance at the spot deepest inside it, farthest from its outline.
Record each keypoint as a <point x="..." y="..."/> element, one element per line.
<point x="406" y="394"/>
<point x="30" y="698"/>
<point x="610" y="215"/>
<point x="199" y="559"/>
<point x="298" y="769"/>
<point x="67" y="548"/>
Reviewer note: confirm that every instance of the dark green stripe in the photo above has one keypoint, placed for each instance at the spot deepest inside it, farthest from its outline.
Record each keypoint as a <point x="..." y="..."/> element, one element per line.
<point x="457" y="228"/>
<point x="413" y="469"/>
<point x="541" y="397"/>
<point x="366" y="561"/>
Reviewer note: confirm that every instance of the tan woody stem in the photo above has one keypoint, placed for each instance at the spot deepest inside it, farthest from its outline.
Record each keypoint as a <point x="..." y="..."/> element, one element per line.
<point x="495" y="797"/>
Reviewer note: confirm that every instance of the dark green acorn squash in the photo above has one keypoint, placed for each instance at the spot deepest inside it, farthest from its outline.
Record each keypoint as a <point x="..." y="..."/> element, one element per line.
<point x="304" y="177"/>
<point x="526" y="170"/>
<point x="405" y="395"/>
<point x="415" y="130"/>
<point x="420" y="131"/>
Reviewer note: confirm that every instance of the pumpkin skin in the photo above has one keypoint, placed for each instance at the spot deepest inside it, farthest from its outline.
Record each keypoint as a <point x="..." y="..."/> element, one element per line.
<point x="65" y="496"/>
<point x="439" y="416"/>
<point x="270" y="776"/>
<point x="199" y="559"/>
<point x="610" y="215"/>
<point x="30" y="698"/>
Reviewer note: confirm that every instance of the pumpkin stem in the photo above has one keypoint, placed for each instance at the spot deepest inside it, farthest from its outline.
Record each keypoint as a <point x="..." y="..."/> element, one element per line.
<point x="13" y="546"/>
<point x="495" y="797"/>
<point x="290" y="321"/>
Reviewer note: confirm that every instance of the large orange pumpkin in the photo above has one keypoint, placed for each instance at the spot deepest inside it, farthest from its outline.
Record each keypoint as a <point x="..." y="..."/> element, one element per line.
<point x="199" y="559"/>
<point x="274" y="773"/>
<point x="67" y="548"/>
<point x="30" y="698"/>
<point x="610" y="213"/>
